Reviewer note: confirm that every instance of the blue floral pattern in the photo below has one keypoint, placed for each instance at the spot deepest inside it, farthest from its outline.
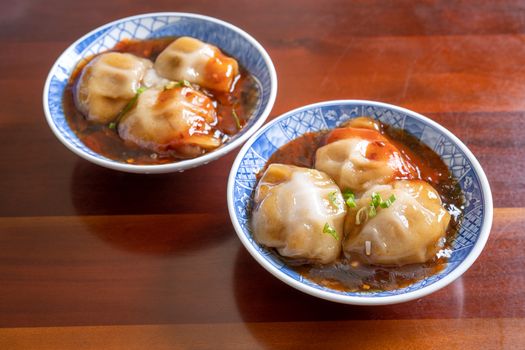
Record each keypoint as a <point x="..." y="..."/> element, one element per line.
<point x="330" y="115"/>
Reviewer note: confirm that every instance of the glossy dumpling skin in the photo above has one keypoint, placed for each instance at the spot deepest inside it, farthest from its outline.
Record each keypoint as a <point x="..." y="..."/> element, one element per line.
<point x="407" y="232"/>
<point x="180" y="119"/>
<point x="153" y="80"/>
<point x="358" y="158"/>
<point x="197" y="62"/>
<point x="108" y="83"/>
<point x="291" y="208"/>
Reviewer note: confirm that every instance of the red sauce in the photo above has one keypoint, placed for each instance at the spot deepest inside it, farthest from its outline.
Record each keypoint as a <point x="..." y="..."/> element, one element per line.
<point x="379" y="148"/>
<point x="105" y="141"/>
<point x="423" y="163"/>
<point x="299" y="152"/>
<point x="223" y="64"/>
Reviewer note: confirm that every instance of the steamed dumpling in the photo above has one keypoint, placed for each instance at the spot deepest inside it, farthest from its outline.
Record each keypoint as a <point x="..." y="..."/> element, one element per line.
<point x="152" y="79"/>
<point x="197" y="62"/>
<point x="358" y="158"/>
<point x="409" y="231"/>
<point x="295" y="210"/>
<point x="180" y="119"/>
<point x="108" y="83"/>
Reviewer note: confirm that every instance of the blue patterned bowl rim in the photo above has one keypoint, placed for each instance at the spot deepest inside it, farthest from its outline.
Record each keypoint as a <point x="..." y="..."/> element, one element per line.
<point x="266" y="258"/>
<point x="256" y="121"/>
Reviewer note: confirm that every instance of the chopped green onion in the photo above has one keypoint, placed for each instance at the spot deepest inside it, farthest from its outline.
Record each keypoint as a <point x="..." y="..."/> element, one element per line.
<point x="376" y="199"/>
<point x="113" y="125"/>
<point x="368" y="247"/>
<point x="361" y="212"/>
<point x="372" y="210"/>
<point x="388" y="202"/>
<point x="171" y="85"/>
<point x="349" y="198"/>
<point x="174" y="84"/>
<point x="330" y="230"/>
<point x="236" y="118"/>
<point x="332" y="197"/>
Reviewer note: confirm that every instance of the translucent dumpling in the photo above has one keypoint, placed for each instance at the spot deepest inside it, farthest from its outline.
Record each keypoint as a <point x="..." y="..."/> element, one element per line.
<point x="300" y="212"/>
<point x="152" y="79"/>
<point x="409" y="231"/>
<point x="360" y="157"/>
<point x="197" y="62"/>
<point x="108" y="83"/>
<point x="179" y="119"/>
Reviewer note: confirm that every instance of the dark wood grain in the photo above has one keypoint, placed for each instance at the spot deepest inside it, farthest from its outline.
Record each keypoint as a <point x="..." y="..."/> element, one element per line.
<point x="486" y="333"/>
<point x="93" y="258"/>
<point x="191" y="268"/>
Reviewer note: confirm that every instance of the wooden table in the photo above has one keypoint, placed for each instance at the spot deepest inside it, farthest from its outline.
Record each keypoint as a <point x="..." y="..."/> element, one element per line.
<point x="92" y="258"/>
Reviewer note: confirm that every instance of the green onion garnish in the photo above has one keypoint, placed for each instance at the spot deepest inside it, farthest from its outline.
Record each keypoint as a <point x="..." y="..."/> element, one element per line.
<point x="113" y="125"/>
<point x="236" y="118"/>
<point x="171" y="85"/>
<point x="359" y="214"/>
<point x="332" y="197"/>
<point x="372" y="211"/>
<point x="388" y="202"/>
<point x="330" y="230"/>
<point x="174" y="84"/>
<point x="349" y="198"/>
<point x="376" y="199"/>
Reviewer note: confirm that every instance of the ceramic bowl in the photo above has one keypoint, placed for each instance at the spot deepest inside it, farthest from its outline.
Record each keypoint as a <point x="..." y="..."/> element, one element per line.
<point x="467" y="245"/>
<point x="227" y="37"/>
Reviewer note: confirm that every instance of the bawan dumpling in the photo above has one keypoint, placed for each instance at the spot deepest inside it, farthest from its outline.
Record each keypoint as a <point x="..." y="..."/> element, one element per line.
<point x="178" y="119"/>
<point x="358" y="158"/>
<point x="299" y="212"/>
<point x="409" y="231"/>
<point x="153" y="80"/>
<point x="197" y="62"/>
<point x="108" y="83"/>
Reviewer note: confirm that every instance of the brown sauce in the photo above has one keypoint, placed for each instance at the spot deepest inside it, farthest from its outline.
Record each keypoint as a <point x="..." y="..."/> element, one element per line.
<point x="346" y="275"/>
<point x="105" y="141"/>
